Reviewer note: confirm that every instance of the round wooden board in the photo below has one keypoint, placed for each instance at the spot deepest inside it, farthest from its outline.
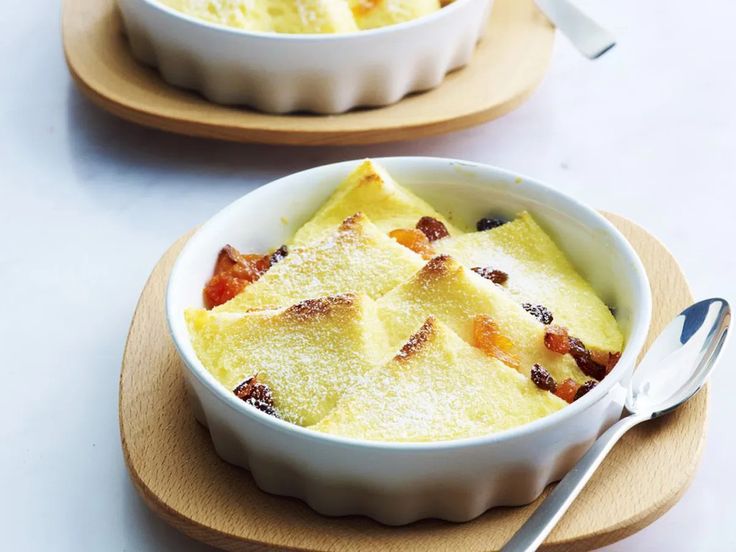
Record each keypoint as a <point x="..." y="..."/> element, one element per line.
<point x="174" y="466"/>
<point x="505" y="69"/>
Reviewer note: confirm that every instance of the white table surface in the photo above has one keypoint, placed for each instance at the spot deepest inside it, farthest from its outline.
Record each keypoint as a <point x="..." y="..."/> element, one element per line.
<point x="88" y="203"/>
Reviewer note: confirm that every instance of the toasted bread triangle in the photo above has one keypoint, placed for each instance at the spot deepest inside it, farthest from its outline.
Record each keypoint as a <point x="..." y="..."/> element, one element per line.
<point x="539" y="273"/>
<point x="371" y="190"/>
<point x="455" y="295"/>
<point x="309" y="354"/>
<point x="437" y="388"/>
<point x="354" y="258"/>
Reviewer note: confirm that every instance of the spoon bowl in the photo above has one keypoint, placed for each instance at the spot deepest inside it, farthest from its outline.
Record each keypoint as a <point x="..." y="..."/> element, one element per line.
<point x="678" y="363"/>
<point x="673" y="370"/>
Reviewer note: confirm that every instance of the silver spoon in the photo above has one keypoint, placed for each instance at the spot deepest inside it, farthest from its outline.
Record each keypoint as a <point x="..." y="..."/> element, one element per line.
<point x="673" y="370"/>
<point x="586" y="35"/>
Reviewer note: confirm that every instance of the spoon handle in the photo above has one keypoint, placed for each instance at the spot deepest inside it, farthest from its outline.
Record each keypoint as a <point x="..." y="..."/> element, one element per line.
<point x="586" y="35"/>
<point x="531" y="535"/>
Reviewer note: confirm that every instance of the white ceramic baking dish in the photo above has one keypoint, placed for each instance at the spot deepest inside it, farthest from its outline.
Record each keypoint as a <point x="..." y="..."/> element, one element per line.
<point x="399" y="483"/>
<point x="328" y="73"/>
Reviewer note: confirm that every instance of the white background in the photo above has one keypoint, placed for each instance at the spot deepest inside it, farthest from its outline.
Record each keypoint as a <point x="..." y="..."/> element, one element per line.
<point x="88" y="203"/>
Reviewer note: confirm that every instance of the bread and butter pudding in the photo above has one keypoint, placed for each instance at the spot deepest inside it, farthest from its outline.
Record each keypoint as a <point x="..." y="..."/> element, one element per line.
<point x="383" y="320"/>
<point x="305" y="16"/>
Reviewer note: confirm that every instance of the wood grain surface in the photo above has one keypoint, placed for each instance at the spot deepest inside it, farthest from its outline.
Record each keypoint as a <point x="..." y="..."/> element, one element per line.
<point x="506" y="67"/>
<point x="174" y="466"/>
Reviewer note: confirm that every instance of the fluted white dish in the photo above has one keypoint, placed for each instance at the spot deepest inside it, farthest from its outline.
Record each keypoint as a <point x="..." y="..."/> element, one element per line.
<point x="397" y="483"/>
<point x="321" y="73"/>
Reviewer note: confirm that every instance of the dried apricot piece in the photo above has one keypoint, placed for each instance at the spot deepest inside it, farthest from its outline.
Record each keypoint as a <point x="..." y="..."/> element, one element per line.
<point x="492" y="274"/>
<point x="226" y="259"/>
<point x="432" y="228"/>
<point x="543" y="379"/>
<point x="490" y="340"/>
<point x="248" y="268"/>
<point x="256" y="394"/>
<point x="413" y="239"/>
<point x="556" y="339"/>
<point x="233" y="271"/>
<point x="613" y="359"/>
<point x="261" y="262"/>
<point x="221" y="288"/>
<point x="567" y="390"/>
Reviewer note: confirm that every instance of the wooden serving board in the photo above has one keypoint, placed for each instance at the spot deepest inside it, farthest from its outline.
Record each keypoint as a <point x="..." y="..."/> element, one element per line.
<point x="506" y="67"/>
<point x="174" y="466"/>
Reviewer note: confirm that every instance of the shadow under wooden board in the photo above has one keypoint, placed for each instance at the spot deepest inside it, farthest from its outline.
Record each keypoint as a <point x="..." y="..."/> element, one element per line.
<point x="174" y="466"/>
<point x="507" y="65"/>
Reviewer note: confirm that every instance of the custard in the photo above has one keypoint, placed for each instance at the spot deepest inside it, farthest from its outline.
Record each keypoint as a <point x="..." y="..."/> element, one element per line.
<point x="382" y="320"/>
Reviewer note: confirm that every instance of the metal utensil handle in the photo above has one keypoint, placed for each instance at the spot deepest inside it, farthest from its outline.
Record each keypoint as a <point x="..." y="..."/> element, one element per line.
<point x="531" y="535"/>
<point x="586" y="35"/>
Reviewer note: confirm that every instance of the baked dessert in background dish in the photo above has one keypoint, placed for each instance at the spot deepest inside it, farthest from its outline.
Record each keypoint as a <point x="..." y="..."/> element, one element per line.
<point x="383" y="320"/>
<point x="305" y="16"/>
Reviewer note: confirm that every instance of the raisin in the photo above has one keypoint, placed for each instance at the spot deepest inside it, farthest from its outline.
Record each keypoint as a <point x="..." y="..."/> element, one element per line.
<point x="543" y="379"/>
<point x="489" y="223"/>
<point x="591" y="368"/>
<point x="557" y="340"/>
<point x="593" y="364"/>
<point x="609" y="360"/>
<point x="583" y="389"/>
<point x="577" y="348"/>
<point x="584" y="360"/>
<point x="491" y="341"/>
<point x="278" y="255"/>
<point x="601" y="357"/>
<point x="495" y="276"/>
<point x="432" y="228"/>
<point x="413" y="239"/>
<point x="256" y="394"/>
<point x="540" y="312"/>
<point x="567" y="390"/>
